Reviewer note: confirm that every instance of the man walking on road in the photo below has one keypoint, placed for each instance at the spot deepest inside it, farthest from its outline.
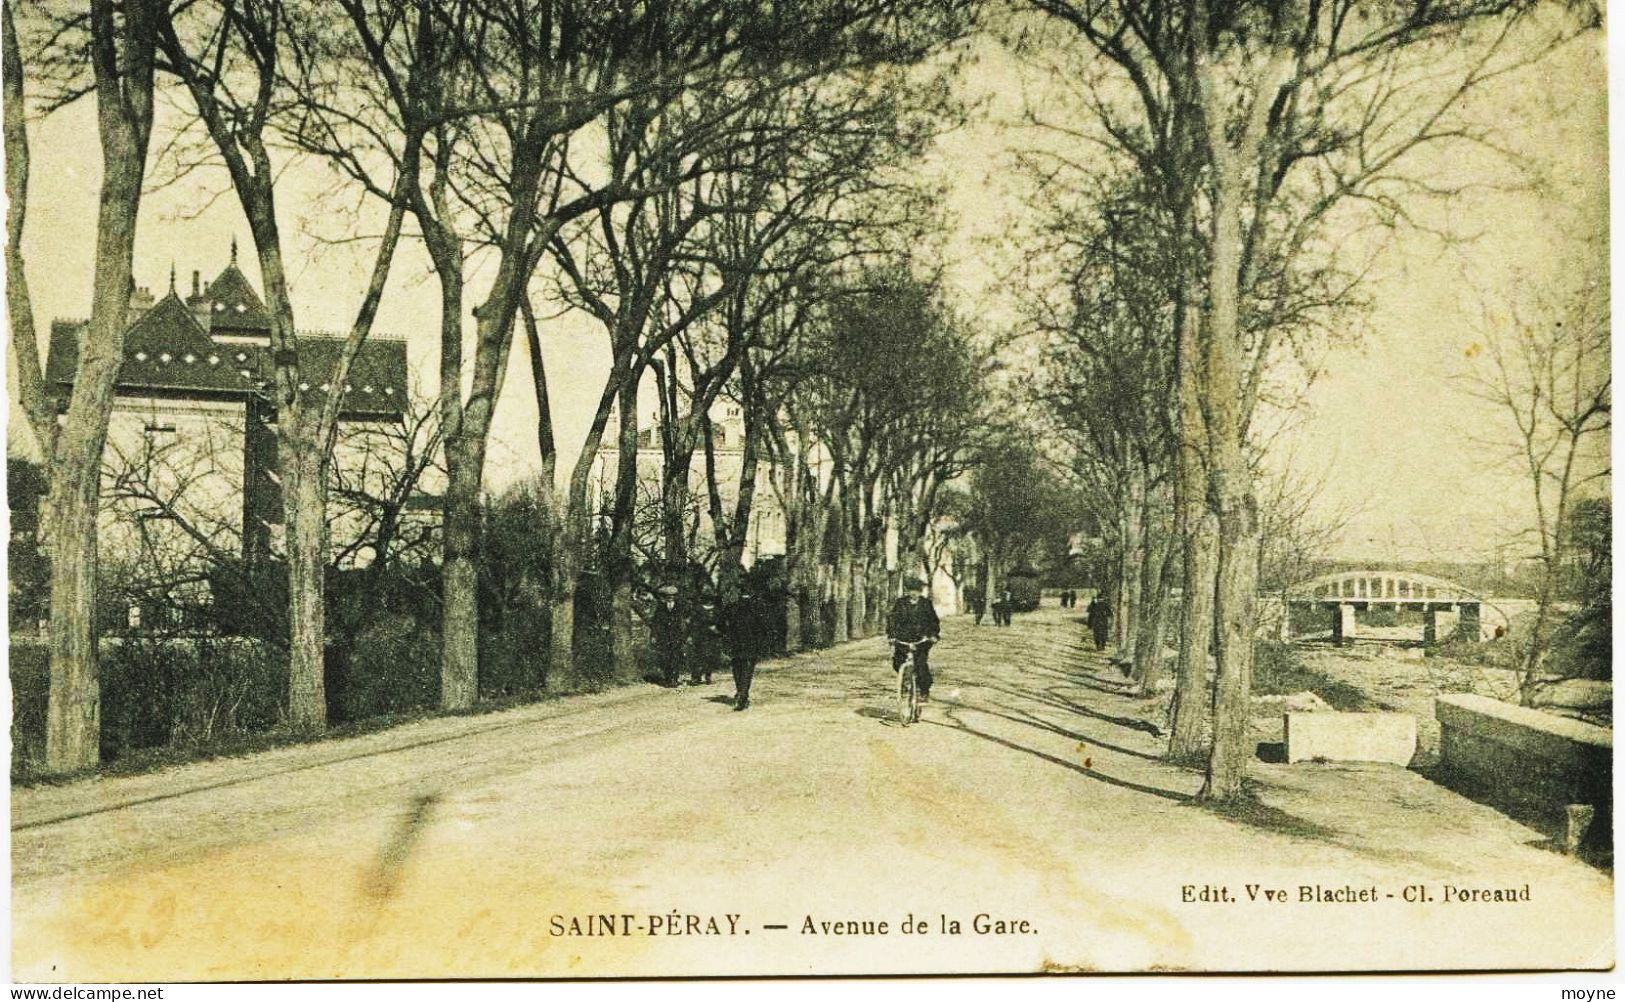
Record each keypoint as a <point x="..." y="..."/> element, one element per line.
<point x="1099" y="616"/>
<point x="745" y="632"/>
<point x="914" y="621"/>
<point x="667" y="627"/>
<point x="976" y="602"/>
<point x="707" y="652"/>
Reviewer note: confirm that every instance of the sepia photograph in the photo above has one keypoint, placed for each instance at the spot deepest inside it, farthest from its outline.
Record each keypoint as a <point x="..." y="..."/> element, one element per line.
<point x="575" y="490"/>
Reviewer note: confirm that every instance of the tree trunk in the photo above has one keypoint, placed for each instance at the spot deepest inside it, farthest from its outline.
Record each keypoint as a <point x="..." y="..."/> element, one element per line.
<point x="1148" y="649"/>
<point x="857" y="588"/>
<point x="732" y="537"/>
<point x="304" y="510"/>
<point x="545" y="443"/>
<point x="1201" y="568"/>
<point x="73" y="712"/>
<point x="841" y="582"/>
<point x="562" y="622"/>
<point x="810" y="591"/>
<point x="1131" y="561"/>
<point x="1200" y="556"/>
<point x="1231" y="479"/>
<point x="879" y="607"/>
<point x="1236" y="597"/>
<point x="124" y="118"/>
<point x="459" y="580"/>
<point x="618" y="559"/>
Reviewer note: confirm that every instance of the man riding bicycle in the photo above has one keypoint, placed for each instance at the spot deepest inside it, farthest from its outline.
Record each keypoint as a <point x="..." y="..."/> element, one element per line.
<point x="914" y="621"/>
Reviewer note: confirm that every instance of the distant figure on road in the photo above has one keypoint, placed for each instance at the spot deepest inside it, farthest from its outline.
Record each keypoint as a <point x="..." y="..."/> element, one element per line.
<point x="1100" y="620"/>
<point x="912" y="620"/>
<point x="745" y="631"/>
<point x="707" y="651"/>
<point x="667" y="629"/>
<point x="976" y="602"/>
<point x="1004" y="608"/>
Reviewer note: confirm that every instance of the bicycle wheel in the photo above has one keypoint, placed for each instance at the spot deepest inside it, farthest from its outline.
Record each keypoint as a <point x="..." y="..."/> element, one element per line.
<point x="908" y="705"/>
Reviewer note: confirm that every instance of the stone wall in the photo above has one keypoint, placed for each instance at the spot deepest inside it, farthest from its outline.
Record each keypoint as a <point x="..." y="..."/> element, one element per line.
<point x="1529" y="762"/>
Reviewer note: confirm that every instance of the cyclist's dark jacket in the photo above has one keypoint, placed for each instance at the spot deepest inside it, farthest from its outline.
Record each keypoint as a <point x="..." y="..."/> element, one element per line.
<point x="913" y="618"/>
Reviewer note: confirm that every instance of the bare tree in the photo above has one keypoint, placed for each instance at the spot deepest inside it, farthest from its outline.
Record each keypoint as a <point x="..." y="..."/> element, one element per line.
<point x="1545" y="365"/>
<point x="232" y="60"/>
<point x="1261" y="127"/>
<point x="120" y="49"/>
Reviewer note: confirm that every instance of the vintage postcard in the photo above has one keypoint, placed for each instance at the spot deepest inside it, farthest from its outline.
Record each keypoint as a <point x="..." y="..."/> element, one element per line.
<point x="558" y="489"/>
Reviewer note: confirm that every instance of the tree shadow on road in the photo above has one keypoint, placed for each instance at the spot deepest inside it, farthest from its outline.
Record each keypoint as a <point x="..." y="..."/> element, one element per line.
<point x="1109" y="686"/>
<point x="953" y="722"/>
<point x="1254" y="813"/>
<point x="1044" y="725"/>
<point x="1056" y="701"/>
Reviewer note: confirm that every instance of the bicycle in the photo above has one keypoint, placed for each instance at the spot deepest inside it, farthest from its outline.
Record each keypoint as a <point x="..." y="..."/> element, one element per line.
<point x="908" y="683"/>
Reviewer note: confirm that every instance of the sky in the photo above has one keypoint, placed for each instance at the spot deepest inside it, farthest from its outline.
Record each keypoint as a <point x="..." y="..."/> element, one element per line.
<point x="1386" y="430"/>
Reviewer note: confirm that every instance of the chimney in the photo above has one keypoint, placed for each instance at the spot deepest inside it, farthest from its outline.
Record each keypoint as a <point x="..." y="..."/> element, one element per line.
<point x="195" y="278"/>
<point x="140" y="302"/>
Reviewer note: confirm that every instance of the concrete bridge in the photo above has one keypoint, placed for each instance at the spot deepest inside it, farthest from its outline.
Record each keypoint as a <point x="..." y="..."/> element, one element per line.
<point x="1345" y="593"/>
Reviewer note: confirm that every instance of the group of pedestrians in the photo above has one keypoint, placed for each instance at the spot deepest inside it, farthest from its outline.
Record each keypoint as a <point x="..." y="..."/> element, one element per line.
<point x="704" y="633"/>
<point x="976" y="604"/>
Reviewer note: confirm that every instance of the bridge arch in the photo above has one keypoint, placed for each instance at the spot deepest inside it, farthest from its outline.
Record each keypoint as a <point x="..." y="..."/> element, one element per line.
<point x="1387" y="587"/>
<point x="1344" y="593"/>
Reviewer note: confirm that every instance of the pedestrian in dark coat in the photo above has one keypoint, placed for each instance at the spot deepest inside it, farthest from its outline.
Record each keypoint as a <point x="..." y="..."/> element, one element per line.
<point x="745" y="632"/>
<point x="667" y="633"/>
<point x="914" y="619"/>
<point x="1099" y="616"/>
<point x="708" y="647"/>
<point x="976" y="602"/>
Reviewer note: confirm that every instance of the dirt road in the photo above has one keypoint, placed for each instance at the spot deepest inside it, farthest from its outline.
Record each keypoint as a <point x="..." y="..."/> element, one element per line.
<point x="648" y="831"/>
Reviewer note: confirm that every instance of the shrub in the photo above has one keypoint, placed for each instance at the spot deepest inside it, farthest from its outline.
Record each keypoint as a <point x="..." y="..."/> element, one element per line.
<point x="392" y="666"/>
<point x="234" y="686"/>
<point x="186" y="692"/>
<point x="1583" y="644"/>
<point x="30" y="683"/>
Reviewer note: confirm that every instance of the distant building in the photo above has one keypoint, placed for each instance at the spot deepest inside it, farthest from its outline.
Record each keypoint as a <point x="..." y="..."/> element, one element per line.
<point x="196" y="380"/>
<point x="766" y="534"/>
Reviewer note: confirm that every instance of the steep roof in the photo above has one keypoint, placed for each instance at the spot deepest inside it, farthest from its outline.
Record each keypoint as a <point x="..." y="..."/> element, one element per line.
<point x="234" y="305"/>
<point x="167" y="353"/>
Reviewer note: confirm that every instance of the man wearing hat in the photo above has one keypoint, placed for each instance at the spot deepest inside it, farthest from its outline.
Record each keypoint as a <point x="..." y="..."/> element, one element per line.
<point x="913" y="619"/>
<point x="745" y="630"/>
<point x="707" y="650"/>
<point x="667" y="628"/>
